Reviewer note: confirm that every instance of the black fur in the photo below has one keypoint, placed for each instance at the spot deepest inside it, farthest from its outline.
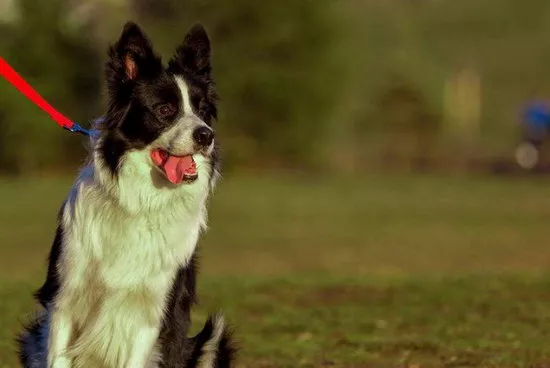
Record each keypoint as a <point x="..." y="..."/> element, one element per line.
<point x="224" y="355"/>
<point x="138" y="84"/>
<point x="179" y="351"/>
<point x="47" y="291"/>
<point x="33" y="343"/>
<point x="178" y="315"/>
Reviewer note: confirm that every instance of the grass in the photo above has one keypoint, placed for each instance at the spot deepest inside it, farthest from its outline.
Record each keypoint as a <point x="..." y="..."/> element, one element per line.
<point x="383" y="271"/>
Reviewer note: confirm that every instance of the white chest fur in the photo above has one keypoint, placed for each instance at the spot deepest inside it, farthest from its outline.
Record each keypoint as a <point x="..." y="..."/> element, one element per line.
<point x="128" y="248"/>
<point x="122" y="245"/>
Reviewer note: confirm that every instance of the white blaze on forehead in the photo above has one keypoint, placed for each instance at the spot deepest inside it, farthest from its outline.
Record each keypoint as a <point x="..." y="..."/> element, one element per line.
<point x="186" y="101"/>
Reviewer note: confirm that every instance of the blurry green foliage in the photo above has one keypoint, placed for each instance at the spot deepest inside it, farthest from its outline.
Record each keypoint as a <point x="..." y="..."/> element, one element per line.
<point x="505" y="41"/>
<point x="274" y="66"/>
<point x="409" y="123"/>
<point x="62" y="64"/>
<point x="299" y="80"/>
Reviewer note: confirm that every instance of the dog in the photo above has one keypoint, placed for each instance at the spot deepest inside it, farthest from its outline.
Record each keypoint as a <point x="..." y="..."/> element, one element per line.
<point x="121" y="275"/>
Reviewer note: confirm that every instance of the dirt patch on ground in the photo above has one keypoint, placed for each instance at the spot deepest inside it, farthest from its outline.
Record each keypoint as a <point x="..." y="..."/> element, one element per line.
<point x="346" y="294"/>
<point x="332" y="295"/>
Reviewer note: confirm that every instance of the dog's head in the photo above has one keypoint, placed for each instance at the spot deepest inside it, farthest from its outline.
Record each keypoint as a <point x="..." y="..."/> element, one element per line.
<point x="159" y="118"/>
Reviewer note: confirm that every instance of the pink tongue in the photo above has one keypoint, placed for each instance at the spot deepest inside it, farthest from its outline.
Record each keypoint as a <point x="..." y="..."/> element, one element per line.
<point x="175" y="167"/>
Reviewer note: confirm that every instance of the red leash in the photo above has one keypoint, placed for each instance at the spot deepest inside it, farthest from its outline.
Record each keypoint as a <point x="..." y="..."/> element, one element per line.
<point x="18" y="82"/>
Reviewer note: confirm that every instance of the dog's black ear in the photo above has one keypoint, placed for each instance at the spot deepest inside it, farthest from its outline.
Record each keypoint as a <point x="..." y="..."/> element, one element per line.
<point x="132" y="57"/>
<point x="193" y="55"/>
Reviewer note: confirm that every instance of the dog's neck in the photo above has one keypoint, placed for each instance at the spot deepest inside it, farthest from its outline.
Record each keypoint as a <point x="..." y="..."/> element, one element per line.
<point x="130" y="211"/>
<point x="138" y="188"/>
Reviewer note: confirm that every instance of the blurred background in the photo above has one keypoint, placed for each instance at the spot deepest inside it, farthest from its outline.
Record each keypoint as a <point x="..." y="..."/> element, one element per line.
<point x="384" y="198"/>
<point x="343" y="86"/>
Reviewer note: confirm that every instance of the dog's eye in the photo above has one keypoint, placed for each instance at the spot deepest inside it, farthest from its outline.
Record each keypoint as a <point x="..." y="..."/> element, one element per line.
<point x="166" y="110"/>
<point x="202" y="113"/>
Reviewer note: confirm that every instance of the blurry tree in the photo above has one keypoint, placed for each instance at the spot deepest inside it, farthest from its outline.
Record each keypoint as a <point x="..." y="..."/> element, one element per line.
<point x="410" y="124"/>
<point x="62" y="64"/>
<point x="299" y="79"/>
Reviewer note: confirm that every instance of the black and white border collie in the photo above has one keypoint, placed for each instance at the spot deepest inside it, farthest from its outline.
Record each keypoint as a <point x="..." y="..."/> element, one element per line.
<point x="121" y="274"/>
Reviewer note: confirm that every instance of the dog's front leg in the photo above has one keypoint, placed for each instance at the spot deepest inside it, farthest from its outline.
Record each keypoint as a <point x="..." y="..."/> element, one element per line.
<point x="59" y="338"/>
<point x="144" y="342"/>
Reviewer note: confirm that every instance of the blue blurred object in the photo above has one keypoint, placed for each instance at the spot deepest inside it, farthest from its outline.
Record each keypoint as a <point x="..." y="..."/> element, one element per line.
<point x="536" y="125"/>
<point x="537" y="117"/>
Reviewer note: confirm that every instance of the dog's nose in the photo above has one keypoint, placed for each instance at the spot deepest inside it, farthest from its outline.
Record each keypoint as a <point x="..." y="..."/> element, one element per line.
<point x="203" y="136"/>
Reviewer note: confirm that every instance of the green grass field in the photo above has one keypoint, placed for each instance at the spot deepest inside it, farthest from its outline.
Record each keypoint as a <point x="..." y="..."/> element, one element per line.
<point x="383" y="271"/>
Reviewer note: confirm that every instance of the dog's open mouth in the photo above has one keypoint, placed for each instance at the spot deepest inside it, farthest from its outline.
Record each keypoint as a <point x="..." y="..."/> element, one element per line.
<point x="177" y="169"/>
